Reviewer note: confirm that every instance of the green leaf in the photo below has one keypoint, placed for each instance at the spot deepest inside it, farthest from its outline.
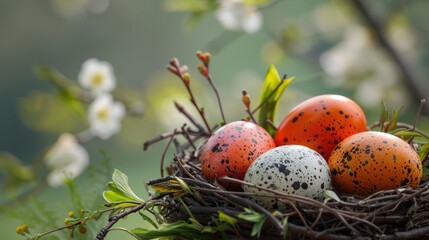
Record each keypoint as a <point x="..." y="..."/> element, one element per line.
<point x="114" y="197"/>
<point x="46" y="112"/>
<point x="226" y="218"/>
<point x="331" y="194"/>
<point x="394" y="119"/>
<point x="384" y="115"/>
<point x="424" y="151"/>
<point x="74" y="104"/>
<point x="285" y="227"/>
<point x="257" y="228"/>
<point x="272" y="90"/>
<point x="184" y="186"/>
<point x="175" y="229"/>
<point x="190" y="5"/>
<point x="119" y="189"/>
<point x="15" y="172"/>
<point x="406" y="134"/>
<point x="148" y="219"/>
<point x="251" y="216"/>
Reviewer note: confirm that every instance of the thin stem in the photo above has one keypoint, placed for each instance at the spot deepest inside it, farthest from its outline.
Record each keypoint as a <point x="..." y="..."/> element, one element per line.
<point x="270" y="95"/>
<point x="183" y="111"/>
<point x="177" y="69"/>
<point x="165" y="152"/>
<point x="209" y="79"/>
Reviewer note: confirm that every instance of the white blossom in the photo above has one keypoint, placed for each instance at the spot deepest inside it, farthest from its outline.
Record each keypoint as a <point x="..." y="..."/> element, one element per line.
<point x="97" y="76"/>
<point x="66" y="159"/>
<point x="235" y="15"/>
<point x="105" y="116"/>
<point x="351" y="56"/>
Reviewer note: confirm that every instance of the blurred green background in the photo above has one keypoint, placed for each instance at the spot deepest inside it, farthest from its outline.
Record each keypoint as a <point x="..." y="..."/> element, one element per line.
<point x="308" y="39"/>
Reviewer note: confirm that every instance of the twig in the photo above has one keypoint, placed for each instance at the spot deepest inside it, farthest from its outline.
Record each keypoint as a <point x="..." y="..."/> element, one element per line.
<point x="113" y="220"/>
<point x="165" y="152"/>
<point x="209" y="79"/>
<point x="182" y="110"/>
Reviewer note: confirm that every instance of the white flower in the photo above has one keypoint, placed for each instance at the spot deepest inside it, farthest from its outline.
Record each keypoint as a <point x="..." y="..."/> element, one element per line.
<point x="97" y="76"/>
<point x="67" y="159"/>
<point x="235" y="15"/>
<point x="105" y="116"/>
<point x="354" y="55"/>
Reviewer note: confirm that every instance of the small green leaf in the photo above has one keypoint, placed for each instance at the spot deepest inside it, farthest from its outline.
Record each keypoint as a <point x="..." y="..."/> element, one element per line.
<point x="120" y="180"/>
<point x="226" y="218"/>
<point x="383" y="116"/>
<point x="424" y="151"/>
<point x="178" y="228"/>
<point x="74" y="104"/>
<point x="406" y="134"/>
<point x="272" y="90"/>
<point x="257" y="228"/>
<point x="285" y="227"/>
<point x="114" y="197"/>
<point x="184" y="185"/>
<point x="251" y="216"/>
<point x="148" y="219"/>
<point x="394" y="119"/>
<point x="331" y="194"/>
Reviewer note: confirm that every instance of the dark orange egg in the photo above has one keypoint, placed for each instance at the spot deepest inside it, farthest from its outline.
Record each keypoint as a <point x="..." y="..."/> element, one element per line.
<point x="320" y="123"/>
<point x="368" y="162"/>
<point x="231" y="150"/>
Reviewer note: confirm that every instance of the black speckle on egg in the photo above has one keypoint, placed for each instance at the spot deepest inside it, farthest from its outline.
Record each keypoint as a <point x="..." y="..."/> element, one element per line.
<point x="296" y="185"/>
<point x="295" y="119"/>
<point x="216" y="148"/>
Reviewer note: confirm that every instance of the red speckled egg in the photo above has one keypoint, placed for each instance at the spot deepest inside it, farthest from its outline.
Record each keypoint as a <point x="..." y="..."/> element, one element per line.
<point x="368" y="162"/>
<point x="231" y="150"/>
<point x="320" y="123"/>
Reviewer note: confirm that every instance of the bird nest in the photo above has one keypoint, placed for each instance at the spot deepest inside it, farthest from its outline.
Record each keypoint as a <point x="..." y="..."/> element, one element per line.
<point x="392" y="214"/>
<point x="184" y="196"/>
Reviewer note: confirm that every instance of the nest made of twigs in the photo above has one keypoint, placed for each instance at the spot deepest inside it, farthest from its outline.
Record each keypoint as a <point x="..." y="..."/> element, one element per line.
<point x="392" y="214"/>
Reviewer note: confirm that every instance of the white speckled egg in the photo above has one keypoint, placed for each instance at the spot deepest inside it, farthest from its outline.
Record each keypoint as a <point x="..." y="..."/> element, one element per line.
<point x="292" y="169"/>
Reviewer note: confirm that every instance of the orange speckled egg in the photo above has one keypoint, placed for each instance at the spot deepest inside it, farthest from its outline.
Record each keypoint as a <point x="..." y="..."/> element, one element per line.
<point x="320" y="123"/>
<point x="368" y="162"/>
<point x="231" y="150"/>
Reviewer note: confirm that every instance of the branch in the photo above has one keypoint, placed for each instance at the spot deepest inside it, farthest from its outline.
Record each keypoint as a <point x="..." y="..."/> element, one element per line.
<point x="114" y="219"/>
<point x="412" y="81"/>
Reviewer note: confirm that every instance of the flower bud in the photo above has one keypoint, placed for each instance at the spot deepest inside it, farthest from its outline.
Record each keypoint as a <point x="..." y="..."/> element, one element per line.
<point x="203" y="70"/>
<point x="207" y="57"/>
<point x="82" y="229"/>
<point x="19" y="230"/>
<point x="200" y="55"/>
<point x="246" y="99"/>
<point x="174" y="62"/>
<point x="71" y="214"/>
<point x="25" y="228"/>
<point x="172" y="69"/>
<point x="186" y="78"/>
